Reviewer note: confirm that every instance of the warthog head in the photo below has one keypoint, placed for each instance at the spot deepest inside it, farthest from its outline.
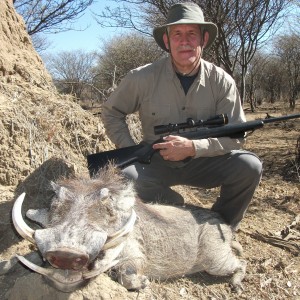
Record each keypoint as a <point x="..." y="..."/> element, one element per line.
<point x="83" y="230"/>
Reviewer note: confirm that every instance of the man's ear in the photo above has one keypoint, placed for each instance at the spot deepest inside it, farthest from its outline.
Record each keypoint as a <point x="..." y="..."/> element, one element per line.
<point x="166" y="41"/>
<point x="205" y="38"/>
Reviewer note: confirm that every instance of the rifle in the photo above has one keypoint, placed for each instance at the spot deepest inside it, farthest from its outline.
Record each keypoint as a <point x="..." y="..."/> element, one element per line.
<point x="212" y="128"/>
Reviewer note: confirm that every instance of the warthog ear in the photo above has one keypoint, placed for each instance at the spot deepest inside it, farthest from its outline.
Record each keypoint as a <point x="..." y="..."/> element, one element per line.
<point x="54" y="186"/>
<point x="60" y="191"/>
<point x="39" y="216"/>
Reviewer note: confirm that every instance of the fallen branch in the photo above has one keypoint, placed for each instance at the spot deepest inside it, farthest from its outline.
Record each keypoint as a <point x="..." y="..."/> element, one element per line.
<point x="287" y="241"/>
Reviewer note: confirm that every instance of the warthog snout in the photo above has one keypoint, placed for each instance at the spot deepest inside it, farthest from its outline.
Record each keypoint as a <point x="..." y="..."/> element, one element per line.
<point x="66" y="258"/>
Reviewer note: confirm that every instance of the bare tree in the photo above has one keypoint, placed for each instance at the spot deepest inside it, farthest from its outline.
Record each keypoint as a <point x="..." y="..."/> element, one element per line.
<point x="243" y="26"/>
<point x="273" y="79"/>
<point x="122" y="54"/>
<point x="50" y="16"/>
<point x="130" y="14"/>
<point x="295" y="17"/>
<point x="255" y="79"/>
<point x="288" y="50"/>
<point x="93" y="76"/>
<point x="72" y="71"/>
<point x="254" y="29"/>
<point x="41" y="42"/>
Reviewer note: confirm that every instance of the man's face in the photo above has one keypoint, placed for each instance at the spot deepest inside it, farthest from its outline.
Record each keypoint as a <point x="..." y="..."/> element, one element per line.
<point x="185" y="44"/>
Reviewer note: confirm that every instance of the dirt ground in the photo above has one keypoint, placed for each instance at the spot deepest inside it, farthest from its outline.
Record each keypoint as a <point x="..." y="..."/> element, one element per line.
<point x="45" y="135"/>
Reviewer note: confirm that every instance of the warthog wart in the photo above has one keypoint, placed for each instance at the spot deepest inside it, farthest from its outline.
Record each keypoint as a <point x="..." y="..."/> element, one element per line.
<point x="98" y="224"/>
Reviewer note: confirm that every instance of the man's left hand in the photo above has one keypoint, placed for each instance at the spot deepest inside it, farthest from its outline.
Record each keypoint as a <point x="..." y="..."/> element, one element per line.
<point x="175" y="148"/>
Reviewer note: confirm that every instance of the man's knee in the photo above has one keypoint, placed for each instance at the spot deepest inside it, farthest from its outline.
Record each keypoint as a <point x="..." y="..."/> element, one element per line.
<point x="248" y="165"/>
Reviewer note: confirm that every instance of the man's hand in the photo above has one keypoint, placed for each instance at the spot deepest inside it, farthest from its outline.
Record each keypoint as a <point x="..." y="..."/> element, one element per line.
<point x="175" y="148"/>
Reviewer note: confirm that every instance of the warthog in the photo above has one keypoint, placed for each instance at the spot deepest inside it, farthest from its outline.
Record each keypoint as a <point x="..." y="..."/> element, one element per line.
<point x="98" y="224"/>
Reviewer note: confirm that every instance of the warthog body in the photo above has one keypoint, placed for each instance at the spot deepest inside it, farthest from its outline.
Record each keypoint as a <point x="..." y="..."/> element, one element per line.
<point x="92" y="226"/>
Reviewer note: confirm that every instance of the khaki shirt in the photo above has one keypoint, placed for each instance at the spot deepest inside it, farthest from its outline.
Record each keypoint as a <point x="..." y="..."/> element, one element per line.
<point x="155" y="91"/>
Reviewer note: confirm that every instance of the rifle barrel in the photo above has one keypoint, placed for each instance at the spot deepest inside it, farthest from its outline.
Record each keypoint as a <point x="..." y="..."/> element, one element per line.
<point x="278" y="119"/>
<point x="230" y="130"/>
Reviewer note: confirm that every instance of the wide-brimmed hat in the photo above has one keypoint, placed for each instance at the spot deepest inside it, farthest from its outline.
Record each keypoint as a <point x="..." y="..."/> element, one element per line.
<point x="185" y="13"/>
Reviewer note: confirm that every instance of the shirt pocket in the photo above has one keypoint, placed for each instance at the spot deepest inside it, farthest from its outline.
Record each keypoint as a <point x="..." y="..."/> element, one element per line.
<point x="155" y="114"/>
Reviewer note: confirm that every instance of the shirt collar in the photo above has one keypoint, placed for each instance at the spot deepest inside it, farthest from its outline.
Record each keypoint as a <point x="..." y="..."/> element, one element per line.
<point x="171" y="72"/>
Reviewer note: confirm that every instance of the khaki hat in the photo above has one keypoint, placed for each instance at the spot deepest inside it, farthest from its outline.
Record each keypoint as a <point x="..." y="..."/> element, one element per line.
<point x="185" y="13"/>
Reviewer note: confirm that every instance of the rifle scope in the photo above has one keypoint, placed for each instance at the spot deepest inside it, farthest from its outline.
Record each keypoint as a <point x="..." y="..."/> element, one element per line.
<point x="218" y="120"/>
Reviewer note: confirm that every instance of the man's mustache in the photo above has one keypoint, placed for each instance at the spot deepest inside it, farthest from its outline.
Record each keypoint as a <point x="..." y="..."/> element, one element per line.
<point x="186" y="48"/>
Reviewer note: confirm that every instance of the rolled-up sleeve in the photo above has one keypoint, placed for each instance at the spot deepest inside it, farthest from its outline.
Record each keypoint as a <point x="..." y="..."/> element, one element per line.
<point x="216" y="146"/>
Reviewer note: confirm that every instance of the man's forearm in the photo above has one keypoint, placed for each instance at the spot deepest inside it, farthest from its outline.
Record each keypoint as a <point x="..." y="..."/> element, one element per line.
<point x="216" y="146"/>
<point x="117" y="130"/>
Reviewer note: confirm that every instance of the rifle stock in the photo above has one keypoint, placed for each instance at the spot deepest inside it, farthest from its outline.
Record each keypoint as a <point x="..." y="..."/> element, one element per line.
<point x="142" y="153"/>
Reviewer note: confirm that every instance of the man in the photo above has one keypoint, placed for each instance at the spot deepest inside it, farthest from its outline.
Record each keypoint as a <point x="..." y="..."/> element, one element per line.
<point x="175" y="88"/>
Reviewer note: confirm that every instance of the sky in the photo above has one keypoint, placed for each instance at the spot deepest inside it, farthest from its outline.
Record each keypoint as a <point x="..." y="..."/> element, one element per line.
<point x="87" y="40"/>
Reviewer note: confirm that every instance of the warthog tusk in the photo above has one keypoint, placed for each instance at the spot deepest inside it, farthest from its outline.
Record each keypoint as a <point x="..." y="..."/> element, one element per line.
<point x="63" y="280"/>
<point x="69" y="280"/>
<point x="22" y="228"/>
<point x="112" y="239"/>
<point x="34" y="267"/>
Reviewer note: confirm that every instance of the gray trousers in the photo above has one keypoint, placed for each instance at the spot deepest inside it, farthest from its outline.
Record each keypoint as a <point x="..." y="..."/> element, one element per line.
<point x="237" y="173"/>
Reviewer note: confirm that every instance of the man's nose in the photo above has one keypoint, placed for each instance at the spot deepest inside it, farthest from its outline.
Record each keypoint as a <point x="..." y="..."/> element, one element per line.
<point x="184" y="38"/>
